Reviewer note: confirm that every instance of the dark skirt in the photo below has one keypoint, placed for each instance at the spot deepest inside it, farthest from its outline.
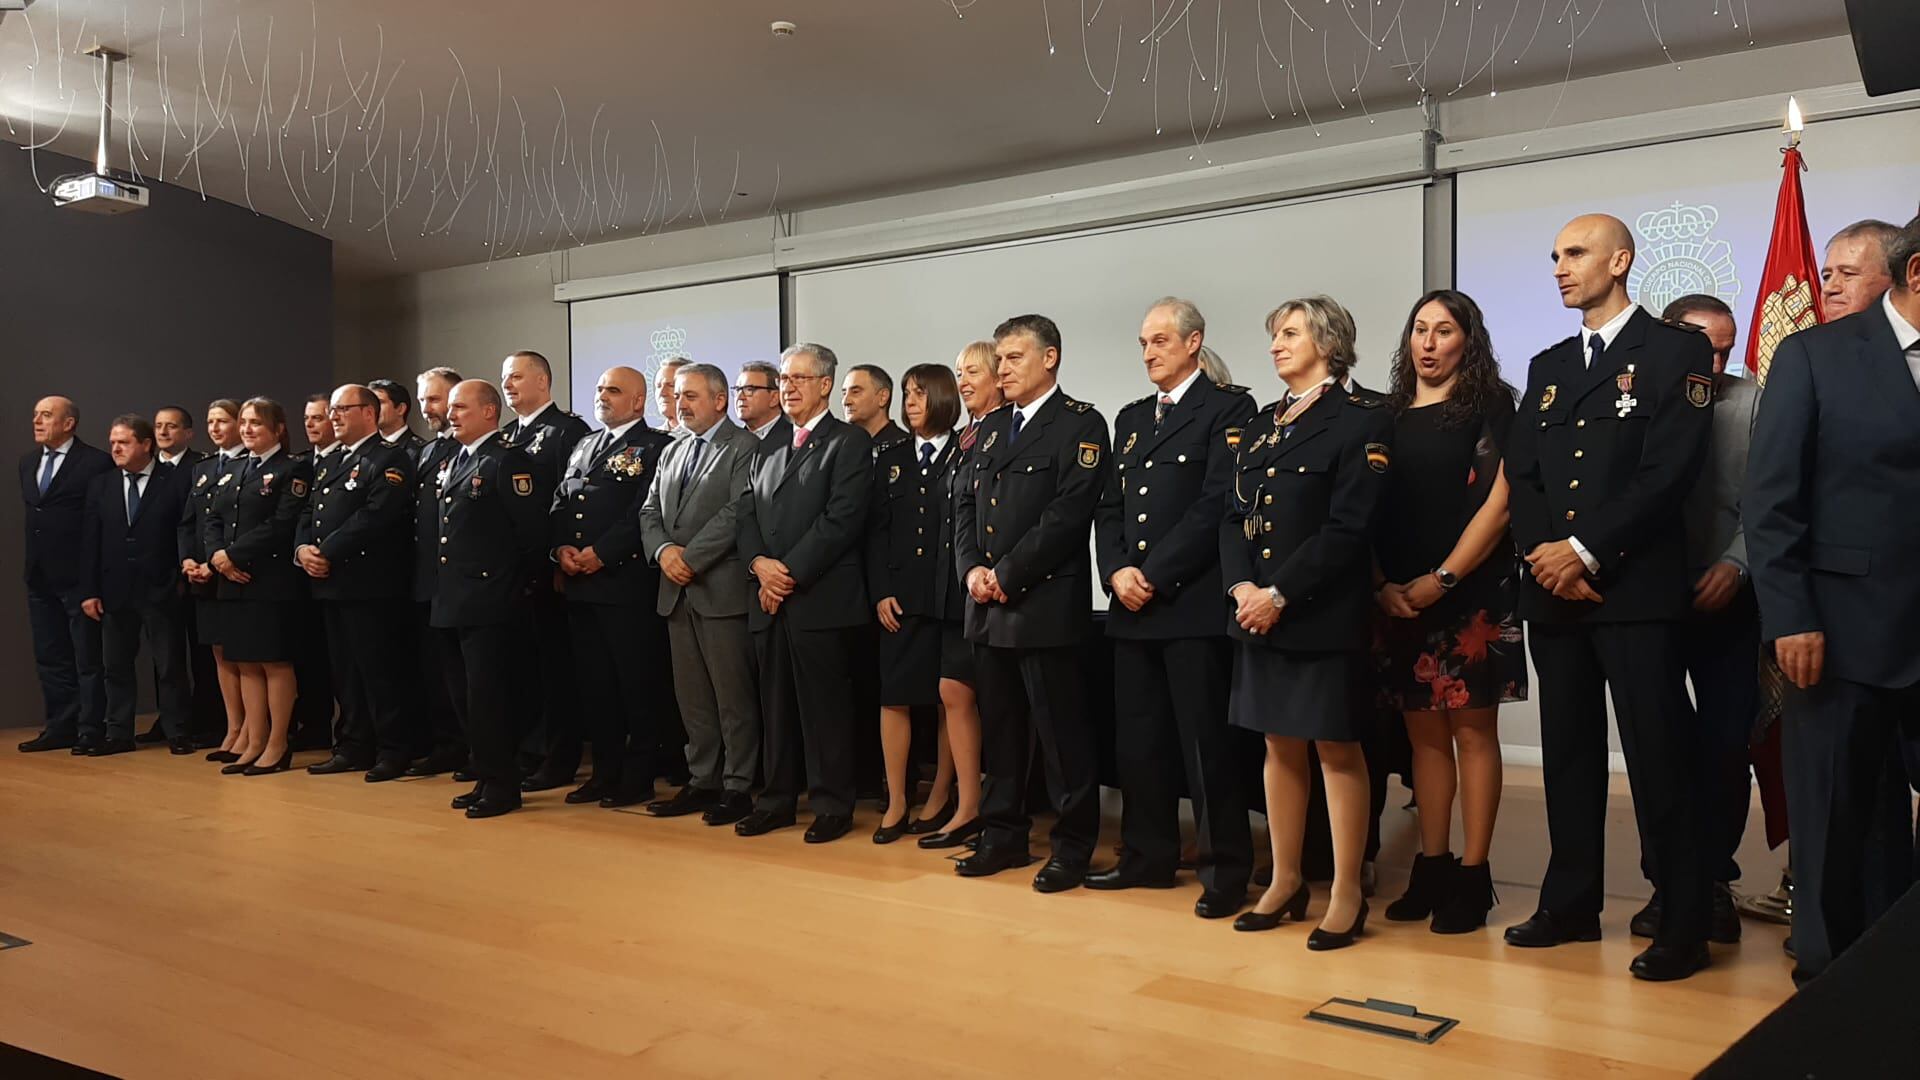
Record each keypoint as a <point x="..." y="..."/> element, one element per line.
<point x="258" y="631"/>
<point x="209" y="626"/>
<point x="956" y="653"/>
<point x="1454" y="656"/>
<point x="1299" y="695"/>
<point x="910" y="662"/>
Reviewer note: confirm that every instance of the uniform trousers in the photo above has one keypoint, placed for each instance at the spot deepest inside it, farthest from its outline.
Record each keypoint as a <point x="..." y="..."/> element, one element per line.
<point x="548" y="695"/>
<point x="366" y="646"/>
<point x="316" y="688"/>
<point x="443" y="733"/>
<point x="717" y="683"/>
<point x="1170" y="710"/>
<point x="1851" y="856"/>
<point x="1037" y="692"/>
<point x="163" y="625"/>
<point x="620" y="653"/>
<point x="1640" y="664"/>
<point x="477" y="660"/>
<point x="807" y="703"/>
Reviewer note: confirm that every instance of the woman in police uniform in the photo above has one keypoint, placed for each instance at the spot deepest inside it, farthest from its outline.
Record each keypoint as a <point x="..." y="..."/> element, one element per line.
<point x="223" y="427"/>
<point x="249" y="530"/>
<point x="1309" y="473"/>
<point x="976" y="374"/>
<point x="903" y="557"/>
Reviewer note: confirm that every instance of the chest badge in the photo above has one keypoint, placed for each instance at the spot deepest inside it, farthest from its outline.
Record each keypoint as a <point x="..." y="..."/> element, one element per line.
<point x="1132" y="437"/>
<point x="476" y="484"/>
<point x="202" y="482"/>
<point x="1547" y="396"/>
<point x="1627" y="401"/>
<point x="224" y="479"/>
<point x="992" y="437"/>
<point x="538" y="438"/>
<point x="893" y="474"/>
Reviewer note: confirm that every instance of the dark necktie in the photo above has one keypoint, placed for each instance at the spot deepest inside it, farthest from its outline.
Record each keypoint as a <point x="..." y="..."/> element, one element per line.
<point x="1595" y="347"/>
<point x="926" y="457"/>
<point x="693" y="463"/>
<point x="46" y="470"/>
<point x="1019" y="421"/>
<point x="460" y="459"/>
<point x="1160" y="410"/>
<point x="133" y="496"/>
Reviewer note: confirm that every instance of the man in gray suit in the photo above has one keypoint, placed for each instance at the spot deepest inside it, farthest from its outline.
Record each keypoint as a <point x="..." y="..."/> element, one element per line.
<point x="689" y="522"/>
<point x="1722" y="642"/>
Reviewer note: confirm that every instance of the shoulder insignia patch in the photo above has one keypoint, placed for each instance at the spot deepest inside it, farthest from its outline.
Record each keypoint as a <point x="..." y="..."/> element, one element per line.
<point x="1377" y="458"/>
<point x="522" y="484"/>
<point x="1679" y="325"/>
<point x="1089" y="455"/>
<point x="299" y="487"/>
<point x="1077" y="406"/>
<point x="1699" y="391"/>
<point x="1365" y="401"/>
<point x="1232" y="389"/>
<point x="395" y="477"/>
<point x="1140" y="401"/>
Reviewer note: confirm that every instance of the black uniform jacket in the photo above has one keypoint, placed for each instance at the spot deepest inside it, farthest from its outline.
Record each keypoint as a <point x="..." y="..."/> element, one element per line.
<point x="360" y="516"/>
<point x="548" y="441"/>
<point x="598" y="506"/>
<point x="1607" y="456"/>
<point x="1161" y="509"/>
<point x="493" y="533"/>
<point x="1025" y="512"/>
<point x="252" y="518"/>
<point x="903" y="527"/>
<point x="1301" y="516"/>
<point x="429" y="470"/>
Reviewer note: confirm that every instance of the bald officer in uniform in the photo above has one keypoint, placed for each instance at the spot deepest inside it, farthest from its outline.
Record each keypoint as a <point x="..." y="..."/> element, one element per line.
<point x="1611" y="436"/>
<point x="1025" y="507"/>
<point x="1156" y="535"/>
<point x="619" y="640"/>
<point x="492" y="542"/>
<point x="355" y="542"/>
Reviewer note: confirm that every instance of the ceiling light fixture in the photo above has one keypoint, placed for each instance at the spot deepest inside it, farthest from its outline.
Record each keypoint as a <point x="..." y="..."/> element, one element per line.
<point x="783" y="29"/>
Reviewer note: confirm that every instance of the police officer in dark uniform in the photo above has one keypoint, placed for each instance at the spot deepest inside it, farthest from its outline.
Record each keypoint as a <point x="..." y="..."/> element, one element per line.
<point x="355" y="542"/>
<point x="545" y="697"/>
<point x="1610" y="438"/>
<point x="1157" y="541"/>
<point x="1020" y="545"/>
<point x="619" y="639"/>
<point x="396" y="416"/>
<point x="492" y="542"/>
<point x="444" y="743"/>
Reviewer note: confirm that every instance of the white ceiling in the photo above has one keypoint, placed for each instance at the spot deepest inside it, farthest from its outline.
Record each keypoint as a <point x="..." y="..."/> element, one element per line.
<point x="354" y="118"/>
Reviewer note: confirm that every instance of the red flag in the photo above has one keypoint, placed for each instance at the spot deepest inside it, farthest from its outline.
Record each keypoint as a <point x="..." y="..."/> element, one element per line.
<point x="1787" y="300"/>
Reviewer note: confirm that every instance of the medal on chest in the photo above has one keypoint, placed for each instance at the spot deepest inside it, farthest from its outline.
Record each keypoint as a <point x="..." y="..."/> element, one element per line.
<point x="1627" y="401"/>
<point x="353" y="477"/>
<point x="538" y="438"/>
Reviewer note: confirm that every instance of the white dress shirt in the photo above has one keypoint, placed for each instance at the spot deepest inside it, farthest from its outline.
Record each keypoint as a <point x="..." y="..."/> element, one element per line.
<point x="59" y="459"/>
<point x="1904" y="333"/>
<point x="146" y="482"/>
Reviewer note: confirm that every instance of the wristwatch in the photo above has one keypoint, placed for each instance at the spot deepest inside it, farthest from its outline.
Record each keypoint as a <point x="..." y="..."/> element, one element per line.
<point x="1447" y="578"/>
<point x="1273" y="592"/>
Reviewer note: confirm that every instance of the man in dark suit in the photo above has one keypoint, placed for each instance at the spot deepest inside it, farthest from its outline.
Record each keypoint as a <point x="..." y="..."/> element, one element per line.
<point x="545" y="695"/>
<point x="1610" y="439"/>
<point x="1020" y="547"/>
<point x="800" y="536"/>
<point x="493" y="525"/>
<point x="355" y="542"/>
<point x="619" y="642"/>
<point x="1156" y="534"/>
<point x="1832" y="509"/>
<point x="66" y="644"/>
<point x="396" y="417"/>
<point x="690" y="522"/>
<point x="130" y="576"/>
<point x="445" y="744"/>
<point x="173" y="433"/>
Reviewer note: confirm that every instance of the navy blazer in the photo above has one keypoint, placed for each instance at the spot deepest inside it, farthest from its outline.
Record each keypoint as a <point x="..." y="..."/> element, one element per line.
<point x="128" y="566"/>
<point x="54" y="520"/>
<point x="808" y="509"/>
<point x="1832" y="504"/>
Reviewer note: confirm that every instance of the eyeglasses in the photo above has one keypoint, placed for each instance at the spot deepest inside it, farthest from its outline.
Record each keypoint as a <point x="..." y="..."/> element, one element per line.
<point x="750" y="389"/>
<point x="789" y="380"/>
<point x="336" y="410"/>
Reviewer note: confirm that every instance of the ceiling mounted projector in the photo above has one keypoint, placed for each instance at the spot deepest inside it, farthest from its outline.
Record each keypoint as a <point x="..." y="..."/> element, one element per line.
<point x="99" y="194"/>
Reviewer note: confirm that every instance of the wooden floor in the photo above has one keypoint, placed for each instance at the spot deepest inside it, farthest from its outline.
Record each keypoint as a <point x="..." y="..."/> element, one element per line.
<point x="186" y="924"/>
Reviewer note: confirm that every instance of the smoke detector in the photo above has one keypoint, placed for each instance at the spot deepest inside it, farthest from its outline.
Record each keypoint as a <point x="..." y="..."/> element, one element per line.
<point x="783" y="29"/>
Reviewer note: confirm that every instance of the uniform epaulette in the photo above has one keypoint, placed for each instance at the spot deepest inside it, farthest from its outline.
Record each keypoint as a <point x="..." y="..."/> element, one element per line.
<point x="1271" y="408"/>
<point x="1141" y="400"/>
<point x="1366" y="400"/>
<point x="1678" y="325"/>
<point x="1229" y="388"/>
<point x="1574" y="340"/>
<point x="883" y="447"/>
<point x="1077" y="406"/>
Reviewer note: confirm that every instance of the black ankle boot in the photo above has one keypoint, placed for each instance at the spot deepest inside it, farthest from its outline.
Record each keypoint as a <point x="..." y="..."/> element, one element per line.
<point x="1427" y="888"/>
<point x="1465" y="908"/>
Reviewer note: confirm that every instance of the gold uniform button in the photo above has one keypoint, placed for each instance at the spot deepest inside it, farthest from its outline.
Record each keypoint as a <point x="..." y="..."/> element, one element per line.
<point x="989" y="530"/>
<point x="1268" y="501"/>
<point x="919" y="532"/>
<point x="1579" y="453"/>
<point x="1266" y="526"/>
<point x="1269" y="471"/>
<point x="1569" y="515"/>
<point x="1575" y="485"/>
<point x="1029" y="468"/>
<point x="579" y="517"/>
<point x="326" y="491"/>
<point x="443" y="539"/>
<point x="1143" y="491"/>
<point x="1182" y="459"/>
<point x="1142" y="545"/>
<point x="1303" y="468"/>
<point x="993" y="502"/>
<point x="1266" y="553"/>
<point x="1149" y="464"/>
<point x="1579" y="423"/>
<point x="581" y="498"/>
<point x="443" y="560"/>
<point x="919" y="551"/>
<point x="1143" y="519"/>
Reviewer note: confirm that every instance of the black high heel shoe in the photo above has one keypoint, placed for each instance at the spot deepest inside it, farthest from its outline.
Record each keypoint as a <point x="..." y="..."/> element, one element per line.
<point x="922" y="825"/>
<point x="1324" y="940"/>
<point x="238" y="767"/>
<point x="224" y="757"/>
<point x="952" y="838"/>
<point x="887" y="834"/>
<point x="285" y="763"/>
<point x="1295" y="908"/>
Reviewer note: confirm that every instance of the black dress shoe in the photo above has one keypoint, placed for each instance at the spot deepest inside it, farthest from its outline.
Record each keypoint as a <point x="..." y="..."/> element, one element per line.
<point x="543" y="780"/>
<point x="688" y="800"/>
<point x="1646" y="922"/>
<point x="626" y="795"/>
<point x="180" y="747"/>
<point x="1059" y="876"/>
<point x="336" y="764"/>
<point x="590" y="792"/>
<point x="1123" y="876"/>
<point x="1294" y="908"/>
<point x="1724" y="929"/>
<point x="83" y="747"/>
<point x="924" y="825"/>
<point x="952" y="838"/>
<point x="1219" y="903"/>
<point x="887" y="834"/>
<point x="494" y="803"/>
<point x="435" y="764"/>
<point x="110" y="747"/>
<point x="461" y="802"/>
<point x="383" y="771"/>
<point x="43" y="742"/>
<point x="1545" y="930"/>
<point x="733" y="806"/>
<point x="990" y="859"/>
<point x="224" y="757"/>
<point x="827" y="828"/>
<point x="282" y="765"/>
<point x="1323" y="940"/>
<point x="762" y="822"/>
<point x="1666" y="963"/>
<point x="465" y="775"/>
<point x="154" y="734"/>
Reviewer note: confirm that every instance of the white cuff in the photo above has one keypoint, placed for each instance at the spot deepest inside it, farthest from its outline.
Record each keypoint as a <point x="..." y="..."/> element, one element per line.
<point x="1580" y="549"/>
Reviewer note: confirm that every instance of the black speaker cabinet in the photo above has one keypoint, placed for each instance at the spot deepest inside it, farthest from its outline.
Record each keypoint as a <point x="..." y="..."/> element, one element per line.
<point x="1886" y="38"/>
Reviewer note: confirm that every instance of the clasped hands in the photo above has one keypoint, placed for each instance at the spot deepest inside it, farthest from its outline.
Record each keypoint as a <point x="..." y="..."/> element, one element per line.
<point x="1560" y="570"/>
<point x="576" y="561"/>
<point x="983" y="584"/>
<point x="1255" y="609"/>
<point x="1131" y="587"/>
<point x="223" y="565"/>
<point x="776" y="582"/>
<point x="315" y="564"/>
